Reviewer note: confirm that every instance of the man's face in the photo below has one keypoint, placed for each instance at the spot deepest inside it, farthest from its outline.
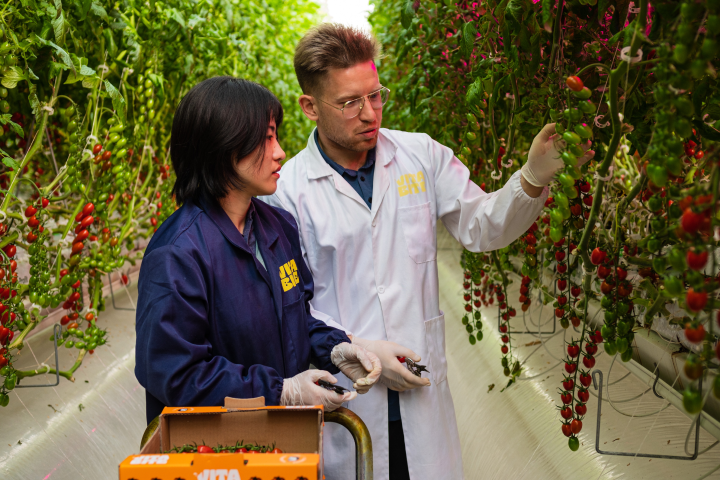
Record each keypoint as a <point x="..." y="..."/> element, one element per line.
<point x="358" y="134"/>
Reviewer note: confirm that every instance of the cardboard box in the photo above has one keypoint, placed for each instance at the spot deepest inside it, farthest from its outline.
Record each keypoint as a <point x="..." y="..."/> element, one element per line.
<point x="297" y="431"/>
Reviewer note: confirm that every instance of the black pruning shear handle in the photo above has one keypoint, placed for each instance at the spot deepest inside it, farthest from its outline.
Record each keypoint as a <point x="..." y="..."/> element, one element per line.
<point x="329" y="386"/>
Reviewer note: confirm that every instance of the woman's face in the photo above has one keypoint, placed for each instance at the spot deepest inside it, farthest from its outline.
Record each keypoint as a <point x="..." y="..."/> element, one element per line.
<point x="261" y="176"/>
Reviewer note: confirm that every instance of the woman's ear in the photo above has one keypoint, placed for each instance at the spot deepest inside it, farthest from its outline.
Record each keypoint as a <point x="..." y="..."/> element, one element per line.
<point x="309" y="107"/>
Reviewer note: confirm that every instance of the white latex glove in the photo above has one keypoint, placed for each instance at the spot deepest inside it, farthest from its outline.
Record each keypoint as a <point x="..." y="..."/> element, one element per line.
<point x="544" y="159"/>
<point x="395" y="374"/>
<point x="301" y="390"/>
<point x="359" y="365"/>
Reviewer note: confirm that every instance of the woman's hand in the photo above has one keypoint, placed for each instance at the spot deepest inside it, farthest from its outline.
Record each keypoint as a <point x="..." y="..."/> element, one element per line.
<point x="395" y="374"/>
<point x="359" y="365"/>
<point x="302" y="390"/>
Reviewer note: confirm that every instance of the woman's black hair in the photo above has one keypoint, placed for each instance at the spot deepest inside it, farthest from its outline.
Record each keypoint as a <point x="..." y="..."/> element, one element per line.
<point x="220" y="121"/>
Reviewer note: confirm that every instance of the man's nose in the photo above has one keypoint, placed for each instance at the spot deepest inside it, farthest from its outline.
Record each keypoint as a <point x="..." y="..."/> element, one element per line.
<point x="367" y="114"/>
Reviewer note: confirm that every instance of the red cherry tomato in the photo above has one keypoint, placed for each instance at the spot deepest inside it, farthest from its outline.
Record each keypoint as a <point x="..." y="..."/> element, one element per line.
<point x="574" y="83"/>
<point x="30" y="211"/>
<point x="87" y="221"/>
<point x="695" y="335"/>
<point x="96" y="149"/>
<point x="82" y="235"/>
<point x="88" y="209"/>
<point x="576" y="426"/>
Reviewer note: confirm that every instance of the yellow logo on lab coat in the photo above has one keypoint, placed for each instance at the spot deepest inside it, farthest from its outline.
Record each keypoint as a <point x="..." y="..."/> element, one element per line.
<point x="289" y="275"/>
<point x="409" y="183"/>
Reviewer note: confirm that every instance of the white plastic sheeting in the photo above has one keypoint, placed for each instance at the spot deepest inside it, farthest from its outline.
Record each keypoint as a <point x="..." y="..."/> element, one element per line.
<point x="510" y="435"/>
<point x="516" y="434"/>
<point x="46" y="434"/>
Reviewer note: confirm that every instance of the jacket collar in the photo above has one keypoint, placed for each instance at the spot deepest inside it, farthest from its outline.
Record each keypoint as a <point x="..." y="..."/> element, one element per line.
<point x="212" y="208"/>
<point x="317" y="167"/>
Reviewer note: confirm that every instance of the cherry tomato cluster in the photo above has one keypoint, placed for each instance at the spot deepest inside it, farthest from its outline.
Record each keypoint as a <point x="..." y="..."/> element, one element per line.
<point x="238" y="447"/>
<point x="637" y="227"/>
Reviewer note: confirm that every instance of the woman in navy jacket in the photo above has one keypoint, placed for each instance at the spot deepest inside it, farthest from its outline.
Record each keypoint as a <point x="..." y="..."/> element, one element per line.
<point x="223" y="293"/>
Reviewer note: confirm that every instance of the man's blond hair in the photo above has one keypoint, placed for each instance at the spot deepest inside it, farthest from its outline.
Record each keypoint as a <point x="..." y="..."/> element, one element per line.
<point x="331" y="45"/>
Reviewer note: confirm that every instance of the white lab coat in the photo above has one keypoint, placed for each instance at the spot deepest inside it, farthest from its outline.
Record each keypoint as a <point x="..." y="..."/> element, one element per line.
<point x="375" y="274"/>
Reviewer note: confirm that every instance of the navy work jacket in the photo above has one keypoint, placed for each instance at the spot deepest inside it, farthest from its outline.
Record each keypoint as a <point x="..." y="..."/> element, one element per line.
<point x="212" y="322"/>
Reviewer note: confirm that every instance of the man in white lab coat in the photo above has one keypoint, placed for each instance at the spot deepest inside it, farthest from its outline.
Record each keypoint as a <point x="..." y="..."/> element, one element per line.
<point x="367" y="201"/>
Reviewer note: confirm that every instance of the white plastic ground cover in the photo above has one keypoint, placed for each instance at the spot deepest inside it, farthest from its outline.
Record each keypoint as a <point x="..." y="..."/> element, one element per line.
<point x="511" y="435"/>
<point x="516" y="434"/>
<point x="79" y="430"/>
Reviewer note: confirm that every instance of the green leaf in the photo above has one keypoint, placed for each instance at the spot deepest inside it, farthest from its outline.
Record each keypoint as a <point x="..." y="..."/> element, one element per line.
<point x="117" y="100"/>
<point x="12" y="76"/>
<point x="64" y="56"/>
<point x="467" y="40"/>
<point x="515" y="8"/>
<point x="707" y="131"/>
<point x="602" y="9"/>
<point x="98" y="10"/>
<point x="58" y="26"/>
<point x="91" y="81"/>
<point x="11" y="163"/>
<point x="178" y="17"/>
<point x="500" y="11"/>
<point x="407" y="14"/>
<point x="713" y="111"/>
<point x="474" y="92"/>
<point x="5" y="120"/>
<point x="547" y="6"/>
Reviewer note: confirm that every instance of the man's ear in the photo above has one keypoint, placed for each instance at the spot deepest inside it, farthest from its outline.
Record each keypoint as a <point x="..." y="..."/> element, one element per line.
<point x="309" y="107"/>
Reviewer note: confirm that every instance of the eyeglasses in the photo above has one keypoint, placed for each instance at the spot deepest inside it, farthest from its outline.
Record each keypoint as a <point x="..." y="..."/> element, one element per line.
<point x="352" y="108"/>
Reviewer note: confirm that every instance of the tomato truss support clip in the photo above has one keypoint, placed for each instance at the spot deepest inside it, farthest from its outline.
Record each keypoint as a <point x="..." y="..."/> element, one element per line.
<point x="597" y="377"/>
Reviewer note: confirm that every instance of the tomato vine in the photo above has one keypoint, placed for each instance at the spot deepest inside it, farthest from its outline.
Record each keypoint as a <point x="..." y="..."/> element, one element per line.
<point x="88" y="93"/>
<point x="637" y="228"/>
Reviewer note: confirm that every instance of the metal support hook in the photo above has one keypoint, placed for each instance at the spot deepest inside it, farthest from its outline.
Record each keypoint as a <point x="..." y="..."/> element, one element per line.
<point x="657" y="377"/>
<point x="57" y="335"/>
<point x="597" y="377"/>
<point x="112" y="296"/>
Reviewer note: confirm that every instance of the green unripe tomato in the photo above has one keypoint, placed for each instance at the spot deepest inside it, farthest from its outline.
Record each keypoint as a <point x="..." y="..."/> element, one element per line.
<point x="626" y="356"/>
<point x="72" y="126"/>
<point x="587" y="107"/>
<point x="571" y="137"/>
<point x="471" y="136"/>
<point x="556" y="234"/>
<point x="570" y="191"/>
<point x="709" y="48"/>
<point x="4" y="400"/>
<point x="680" y="54"/>
<point x="3" y="92"/>
<point x="583" y="94"/>
<point x="583" y="131"/>
<point x="659" y="263"/>
<point x="568" y="158"/>
<point x="610" y="348"/>
<point x="565" y="179"/>
<point x="712" y="25"/>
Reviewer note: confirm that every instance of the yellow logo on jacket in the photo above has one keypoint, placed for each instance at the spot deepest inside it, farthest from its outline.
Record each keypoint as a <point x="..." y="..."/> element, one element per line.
<point x="288" y="275"/>
<point x="409" y="183"/>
